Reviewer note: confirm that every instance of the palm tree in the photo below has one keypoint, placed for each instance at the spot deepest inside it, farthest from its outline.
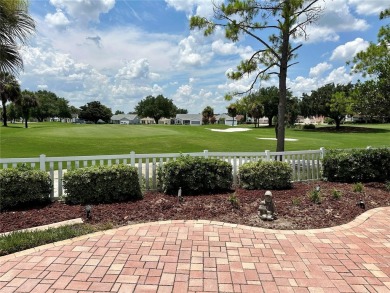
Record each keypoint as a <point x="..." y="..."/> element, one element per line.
<point x="9" y="91"/>
<point x="15" y="27"/>
<point x="25" y="103"/>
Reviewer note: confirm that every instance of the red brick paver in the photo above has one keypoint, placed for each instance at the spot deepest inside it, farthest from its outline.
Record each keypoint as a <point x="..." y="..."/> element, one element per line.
<point x="207" y="256"/>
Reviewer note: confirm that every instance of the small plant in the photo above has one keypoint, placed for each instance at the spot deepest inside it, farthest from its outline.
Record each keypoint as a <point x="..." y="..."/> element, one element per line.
<point x="336" y="194"/>
<point x="315" y="195"/>
<point x="387" y="185"/>
<point x="235" y="202"/>
<point x="358" y="187"/>
<point x="296" y="201"/>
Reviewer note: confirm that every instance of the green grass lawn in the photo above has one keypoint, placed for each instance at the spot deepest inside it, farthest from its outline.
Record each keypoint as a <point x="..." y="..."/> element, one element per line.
<point x="60" y="139"/>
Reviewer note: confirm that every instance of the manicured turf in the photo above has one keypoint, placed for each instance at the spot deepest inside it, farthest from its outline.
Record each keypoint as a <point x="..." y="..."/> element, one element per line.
<point x="60" y="139"/>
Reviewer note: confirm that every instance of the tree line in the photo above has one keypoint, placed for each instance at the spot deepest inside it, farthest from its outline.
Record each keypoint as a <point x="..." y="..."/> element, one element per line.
<point x="366" y="100"/>
<point x="44" y="105"/>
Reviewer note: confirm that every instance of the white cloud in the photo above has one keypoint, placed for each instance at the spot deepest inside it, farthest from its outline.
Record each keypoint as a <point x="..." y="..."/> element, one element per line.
<point x="369" y="7"/>
<point x="84" y="10"/>
<point x="349" y="50"/>
<point x="335" y="18"/>
<point x="319" y="69"/>
<point x="193" y="51"/>
<point x="194" y="7"/>
<point x="339" y="76"/>
<point x="136" y="69"/>
<point x="57" y="19"/>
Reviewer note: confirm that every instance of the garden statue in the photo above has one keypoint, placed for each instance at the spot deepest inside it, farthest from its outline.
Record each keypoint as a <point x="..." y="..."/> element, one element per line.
<point x="267" y="210"/>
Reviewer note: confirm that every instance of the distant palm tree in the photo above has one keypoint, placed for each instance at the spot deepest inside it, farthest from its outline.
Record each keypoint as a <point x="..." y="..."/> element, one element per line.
<point x="25" y="103"/>
<point x="10" y="91"/>
<point x="15" y="27"/>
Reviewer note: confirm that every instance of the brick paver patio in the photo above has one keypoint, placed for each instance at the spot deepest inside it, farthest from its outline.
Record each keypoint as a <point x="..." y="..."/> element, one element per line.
<point x="206" y="256"/>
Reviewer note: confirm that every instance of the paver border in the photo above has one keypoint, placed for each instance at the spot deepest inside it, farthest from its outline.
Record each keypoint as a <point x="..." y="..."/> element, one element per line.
<point x="359" y="220"/>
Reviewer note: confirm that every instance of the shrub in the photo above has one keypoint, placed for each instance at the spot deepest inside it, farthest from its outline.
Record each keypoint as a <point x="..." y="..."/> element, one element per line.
<point x="315" y="195"/>
<point x="22" y="186"/>
<point x="387" y="185"/>
<point x="336" y="194"/>
<point x="102" y="184"/>
<point x="329" y="120"/>
<point x="365" y="165"/>
<point x="358" y="187"/>
<point x="196" y="175"/>
<point x="265" y="175"/>
<point x="234" y="201"/>
<point x="309" y="126"/>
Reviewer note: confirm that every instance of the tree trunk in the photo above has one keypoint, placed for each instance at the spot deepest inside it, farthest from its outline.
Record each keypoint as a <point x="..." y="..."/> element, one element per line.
<point x="26" y="122"/>
<point x="270" y="120"/>
<point x="337" y="120"/>
<point x="282" y="89"/>
<point x="4" y="113"/>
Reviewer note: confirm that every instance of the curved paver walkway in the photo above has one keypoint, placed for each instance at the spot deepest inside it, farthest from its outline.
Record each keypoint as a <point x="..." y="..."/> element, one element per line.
<point x="204" y="256"/>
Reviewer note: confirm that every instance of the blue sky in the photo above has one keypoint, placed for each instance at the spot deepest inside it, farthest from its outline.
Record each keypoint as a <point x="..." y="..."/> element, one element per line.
<point x="120" y="51"/>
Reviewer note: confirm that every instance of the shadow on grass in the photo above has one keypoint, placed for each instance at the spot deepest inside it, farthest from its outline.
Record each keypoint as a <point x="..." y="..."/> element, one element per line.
<point x="347" y="129"/>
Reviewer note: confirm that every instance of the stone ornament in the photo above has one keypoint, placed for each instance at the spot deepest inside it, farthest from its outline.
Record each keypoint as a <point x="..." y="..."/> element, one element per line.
<point x="267" y="210"/>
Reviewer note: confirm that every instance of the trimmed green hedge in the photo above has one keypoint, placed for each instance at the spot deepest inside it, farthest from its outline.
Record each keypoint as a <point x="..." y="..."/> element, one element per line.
<point x="196" y="175"/>
<point x="22" y="186"/>
<point x="102" y="184"/>
<point x="364" y="165"/>
<point x="265" y="175"/>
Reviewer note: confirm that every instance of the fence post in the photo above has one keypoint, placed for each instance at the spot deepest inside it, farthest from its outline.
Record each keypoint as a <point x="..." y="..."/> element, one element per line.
<point x="206" y="153"/>
<point x="42" y="162"/>
<point x="322" y="152"/>
<point x="267" y="155"/>
<point x="132" y="158"/>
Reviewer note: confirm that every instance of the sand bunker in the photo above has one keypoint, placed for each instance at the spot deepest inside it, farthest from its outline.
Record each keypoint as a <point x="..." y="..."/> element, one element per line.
<point x="272" y="138"/>
<point x="231" y="129"/>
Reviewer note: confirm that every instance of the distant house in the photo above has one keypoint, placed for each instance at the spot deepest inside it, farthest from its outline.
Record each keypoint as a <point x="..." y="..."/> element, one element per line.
<point x="125" y="119"/>
<point x="221" y="118"/>
<point x="188" y="119"/>
<point x="148" y="120"/>
<point x="166" y="121"/>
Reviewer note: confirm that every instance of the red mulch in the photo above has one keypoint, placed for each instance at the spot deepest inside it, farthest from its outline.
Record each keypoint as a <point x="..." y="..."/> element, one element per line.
<point x="295" y="210"/>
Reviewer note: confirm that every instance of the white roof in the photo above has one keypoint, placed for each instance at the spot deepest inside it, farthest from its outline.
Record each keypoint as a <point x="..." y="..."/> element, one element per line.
<point x="124" y="117"/>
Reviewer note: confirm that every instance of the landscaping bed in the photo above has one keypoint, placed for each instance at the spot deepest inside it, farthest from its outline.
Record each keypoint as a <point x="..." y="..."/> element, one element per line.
<point x="294" y="207"/>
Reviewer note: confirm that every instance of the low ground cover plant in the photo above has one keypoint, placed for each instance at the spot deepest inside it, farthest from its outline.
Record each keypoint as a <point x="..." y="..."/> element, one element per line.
<point x="265" y="175"/>
<point x="102" y="184"/>
<point x="21" y="240"/>
<point x="22" y="186"/>
<point x="195" y="175"/>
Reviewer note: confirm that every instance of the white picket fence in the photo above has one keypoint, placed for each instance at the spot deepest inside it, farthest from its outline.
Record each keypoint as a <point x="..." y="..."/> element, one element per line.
<point x="306" y="165"/>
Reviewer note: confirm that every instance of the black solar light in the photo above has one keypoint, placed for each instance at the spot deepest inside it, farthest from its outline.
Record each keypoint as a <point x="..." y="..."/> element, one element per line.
<point x="88" y="209"/>
<point x="179" y="196"/>
<point x="361" y="204"/>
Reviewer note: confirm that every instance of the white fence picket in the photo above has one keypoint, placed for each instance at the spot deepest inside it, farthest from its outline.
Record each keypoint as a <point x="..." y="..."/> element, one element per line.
<point x="306" y="165"/>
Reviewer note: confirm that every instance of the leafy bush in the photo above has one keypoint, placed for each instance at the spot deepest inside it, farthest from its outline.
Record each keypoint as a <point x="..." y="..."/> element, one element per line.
<point x="265" y="175"/>
<point x="309" y="126"/>
<point x="315" y="195"/>
<point x="234" y="201"/>
<point x="102" y="184"/>
<point x="365" y="165"/>
<point x="329" y="120"/>
<point x="387" y="185"/>
<point x="336" y="194"/>
<point x="22" y="186"/>
<point x="196" y="175"/>
<point x="358" y="187"/>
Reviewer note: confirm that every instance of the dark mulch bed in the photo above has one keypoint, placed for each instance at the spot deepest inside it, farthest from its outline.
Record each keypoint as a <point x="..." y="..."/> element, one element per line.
<point x="295" y="210"/>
